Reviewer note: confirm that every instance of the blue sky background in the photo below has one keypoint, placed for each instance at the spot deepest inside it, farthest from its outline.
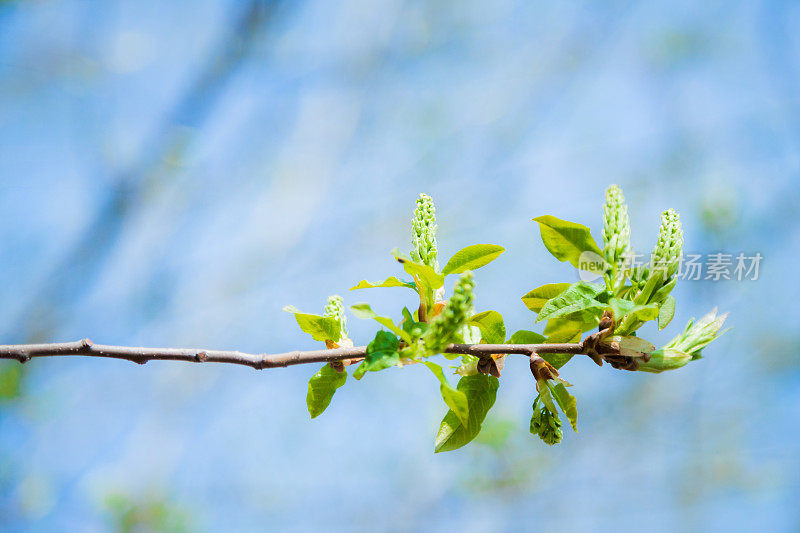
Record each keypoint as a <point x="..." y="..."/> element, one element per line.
<point x="174" y="173"/>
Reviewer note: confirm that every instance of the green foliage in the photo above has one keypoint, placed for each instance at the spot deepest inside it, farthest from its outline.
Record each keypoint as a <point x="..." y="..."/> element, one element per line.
<point x="444" y="328"/>
<point x="455" y="399"/>
<point x="536" y="299"/>
<point x="320" y="328"/>
<point x="472" y="258"/>
<point x="525" y="336"/>
<point x="491" y="326"/>
<point x="546" y="424"/>
<point x="382" y="352"/>
<point x="321" y="388"/>
<point x="481" y="392"/>
<point x="579" y="298"/>
<point x="687" y="346"/>
<point x="566" y="240"/>
<point x="626" y="298"/>
<point x="388" y="282"/>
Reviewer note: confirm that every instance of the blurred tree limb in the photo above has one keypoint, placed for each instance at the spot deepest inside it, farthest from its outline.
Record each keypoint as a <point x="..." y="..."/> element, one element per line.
<point x="83" y="260"/>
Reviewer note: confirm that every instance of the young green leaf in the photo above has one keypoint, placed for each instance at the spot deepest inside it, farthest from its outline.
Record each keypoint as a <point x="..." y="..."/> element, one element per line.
<point x="636" y="318"/>
<point x="524" y="336"/>
<point x="665" y="359"/>
<point x="620" y="307"/>
<point x="630" y="346"/>
<point x="545" y="396"/>
<point x="661" y="294"/>
<point x="321" y="388"/>
<point x="567" y="402"/>
<point x="427" y="273"/>
<point x="666" y="312"/>
<point x="559" y="359"/>
<point x="388" y="282"/>
<point x="319" y="327"/>
<point x="536" y="298"/>
<point x="382" y="352"/>
<point x="567" y="240"/>
<point x="481" y="392"/>
<point x="363" y="310"/>
<point x="578" y="297"/>
<point x="472" y="258"/>
<point x="426" y="279"/>
<point x="455" y="399"/>
<point x="493" y="330"/>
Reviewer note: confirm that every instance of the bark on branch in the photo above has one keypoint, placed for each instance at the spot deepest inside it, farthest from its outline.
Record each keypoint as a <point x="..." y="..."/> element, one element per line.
<point x="85" y="347"/>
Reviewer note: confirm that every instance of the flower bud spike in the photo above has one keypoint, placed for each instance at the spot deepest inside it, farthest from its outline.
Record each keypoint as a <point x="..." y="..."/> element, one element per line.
<point x="616" y="226"/>
<point x="423" y="238"/>
<point x="443" y="328"/>
<point x="335" y="309"/>
<point x="546" y="424"/>
<point x="667" y="253"/>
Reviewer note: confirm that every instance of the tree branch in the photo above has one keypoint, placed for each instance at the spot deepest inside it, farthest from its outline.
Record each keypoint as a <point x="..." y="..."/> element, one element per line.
<point x="85" y="347"/>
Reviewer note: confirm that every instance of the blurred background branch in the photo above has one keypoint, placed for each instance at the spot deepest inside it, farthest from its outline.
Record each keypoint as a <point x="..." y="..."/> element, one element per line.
<point x="82" y="262"/>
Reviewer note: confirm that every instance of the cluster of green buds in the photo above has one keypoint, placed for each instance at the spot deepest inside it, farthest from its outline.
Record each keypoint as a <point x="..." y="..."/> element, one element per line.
<point x="688" y="345"/>
<point x="666" y="256"/>
<point x="616" y="227"/>
<point x="423" y="239"/>
<point x="653" y="284"/>
<point x="445" y="328"/>
<point x="546" y="424"/>
<point x="335" y="309"/>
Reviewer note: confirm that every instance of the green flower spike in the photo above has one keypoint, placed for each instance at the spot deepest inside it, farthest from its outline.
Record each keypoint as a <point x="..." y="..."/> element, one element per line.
<point x="546" y="424"/>
<point x="335" y="309"/>
<point x="423" y="238"/>
<point x="667" y="254"/>
<point x="616" y="226"/>
<point x="687" y="346"/>
<point x="445" y="327"/>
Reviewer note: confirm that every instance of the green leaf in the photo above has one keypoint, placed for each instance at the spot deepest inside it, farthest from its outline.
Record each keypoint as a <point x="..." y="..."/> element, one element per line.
<point x="567" y="240"/>
<point x="426" y="279"/>
<point x="472" y="258"/>
<point x="388" y="282"/>
<point x="557" y="359"/>
<point x="493" y="329"/>
<point x="536" y="299"/>
<point x="636" y="318"/>
<point x="632" y="346"/>
<point x="578" y="297"/>
<point x="412" y="327"/>
<point x="320" y="328"/>
<point x="661" y="294"/>
<point x="382" y="352"/>
<point x="655" y="281"/>
<point x="424" y="272"/>
<point x="455" y="399"/>
<point x="363" y="310"/>
<point x="666" y="312"/>
<point x="321" y="388"/>
<point x="481" y="392"/>
<point x="545" y="396"/>
<point x="620" y="307"/>
<point x="567" y="402"/>
<point x="524" y="336"/>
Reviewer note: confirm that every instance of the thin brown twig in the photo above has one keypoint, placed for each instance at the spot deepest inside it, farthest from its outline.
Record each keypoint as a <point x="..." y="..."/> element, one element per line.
<point x="85" y="347"/>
